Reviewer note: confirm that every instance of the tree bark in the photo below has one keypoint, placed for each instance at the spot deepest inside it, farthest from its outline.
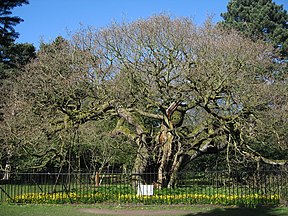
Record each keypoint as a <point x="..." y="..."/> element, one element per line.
<point x="140" y="165"/>
<point x="170" y="150"/>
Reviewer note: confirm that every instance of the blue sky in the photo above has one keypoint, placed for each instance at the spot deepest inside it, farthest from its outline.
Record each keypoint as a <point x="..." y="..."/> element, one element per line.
<point x="47" y="19"/>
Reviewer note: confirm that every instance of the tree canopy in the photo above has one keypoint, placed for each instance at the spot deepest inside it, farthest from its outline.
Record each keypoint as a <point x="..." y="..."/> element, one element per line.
<point x="167" y="89"/>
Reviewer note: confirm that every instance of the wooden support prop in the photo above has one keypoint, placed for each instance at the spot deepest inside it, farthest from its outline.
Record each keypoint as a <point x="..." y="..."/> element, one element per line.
<point x="97" y="179"/>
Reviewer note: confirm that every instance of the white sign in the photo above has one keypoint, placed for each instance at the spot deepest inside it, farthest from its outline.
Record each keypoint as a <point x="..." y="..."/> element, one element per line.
<point x="145" y="190"/>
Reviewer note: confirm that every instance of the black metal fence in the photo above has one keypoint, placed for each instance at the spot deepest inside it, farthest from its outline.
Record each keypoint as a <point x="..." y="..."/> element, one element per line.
<point x="236" y="188"/>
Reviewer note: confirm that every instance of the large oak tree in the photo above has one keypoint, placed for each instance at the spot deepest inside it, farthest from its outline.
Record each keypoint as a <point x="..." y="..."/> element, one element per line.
<point x="177" y="91"/>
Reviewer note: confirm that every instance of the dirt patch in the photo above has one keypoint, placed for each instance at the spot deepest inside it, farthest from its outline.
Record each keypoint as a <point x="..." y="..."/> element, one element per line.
<point x="137" y="212"/>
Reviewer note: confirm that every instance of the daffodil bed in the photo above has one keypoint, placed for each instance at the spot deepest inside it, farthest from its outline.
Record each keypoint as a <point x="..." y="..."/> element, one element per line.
<point x="158" y="198"/>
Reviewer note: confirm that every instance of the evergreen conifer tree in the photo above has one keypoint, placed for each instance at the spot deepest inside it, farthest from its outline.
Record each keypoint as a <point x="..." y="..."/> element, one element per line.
<point x="259" y="18"/>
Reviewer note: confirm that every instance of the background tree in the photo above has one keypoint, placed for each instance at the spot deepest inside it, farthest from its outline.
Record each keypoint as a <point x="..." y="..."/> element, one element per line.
<point x="13" y="57"/>
<point x="8" y="35"/>
<point x="259" y="18"/>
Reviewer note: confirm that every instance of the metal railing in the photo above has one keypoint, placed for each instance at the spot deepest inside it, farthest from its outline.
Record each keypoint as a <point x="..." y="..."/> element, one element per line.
<point x="237" y="188"/>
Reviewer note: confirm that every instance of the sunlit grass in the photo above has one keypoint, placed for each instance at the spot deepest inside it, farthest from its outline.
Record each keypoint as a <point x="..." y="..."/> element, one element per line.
<point x="77" y="210"/>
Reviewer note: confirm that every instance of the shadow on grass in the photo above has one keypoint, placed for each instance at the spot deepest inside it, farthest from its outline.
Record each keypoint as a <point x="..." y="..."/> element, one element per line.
<point x="243" y="212"/>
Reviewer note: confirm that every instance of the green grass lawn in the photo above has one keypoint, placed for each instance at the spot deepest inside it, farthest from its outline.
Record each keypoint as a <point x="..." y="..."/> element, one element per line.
<point x="77" y="210"/>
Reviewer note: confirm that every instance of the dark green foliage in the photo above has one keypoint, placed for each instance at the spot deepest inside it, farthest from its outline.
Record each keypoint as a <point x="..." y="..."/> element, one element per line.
<point x="7" y="22"/>
<point x="259" y="18"/>
<point x="20" y="54"/>
<point x="12" y="56"/>
<point x="17" y="55"/>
